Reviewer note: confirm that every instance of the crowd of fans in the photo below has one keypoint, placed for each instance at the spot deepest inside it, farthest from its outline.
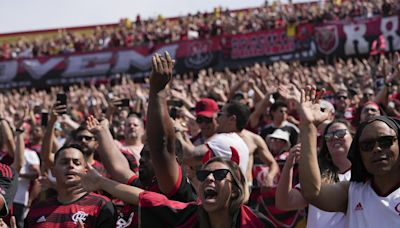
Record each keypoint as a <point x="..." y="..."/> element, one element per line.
<point x="197" y="26"/>
<point x="123" y="130"/>
<point x="280" y="145"/>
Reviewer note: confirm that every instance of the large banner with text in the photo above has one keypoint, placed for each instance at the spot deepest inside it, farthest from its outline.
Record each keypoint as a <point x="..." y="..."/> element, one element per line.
<point x="305" y="42"/>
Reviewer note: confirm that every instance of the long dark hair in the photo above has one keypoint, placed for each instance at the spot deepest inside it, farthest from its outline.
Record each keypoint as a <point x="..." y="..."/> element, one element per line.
<point x="358" y="171"/>
<point x="329" y="171"/>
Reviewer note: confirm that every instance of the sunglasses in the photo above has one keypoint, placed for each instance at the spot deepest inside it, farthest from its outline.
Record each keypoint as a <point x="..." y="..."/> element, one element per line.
<point x="84" y="137"/>
<point x="384" y="142"/>
<point x="338" y="134"/>
<point x="341" y="97"/>
<point x="203" y="119"/>
<point x="218" y="174"/>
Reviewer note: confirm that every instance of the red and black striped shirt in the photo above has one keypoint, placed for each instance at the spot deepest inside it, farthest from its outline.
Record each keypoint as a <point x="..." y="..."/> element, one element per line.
<point x="92" y="209"/>
<point x="8" y="187"/>
<point x="157" y="210"/>
<point x="128" y="214"/>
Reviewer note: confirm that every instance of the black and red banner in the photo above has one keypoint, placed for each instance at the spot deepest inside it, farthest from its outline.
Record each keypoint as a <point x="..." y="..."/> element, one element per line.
<point x="306" y="42"/>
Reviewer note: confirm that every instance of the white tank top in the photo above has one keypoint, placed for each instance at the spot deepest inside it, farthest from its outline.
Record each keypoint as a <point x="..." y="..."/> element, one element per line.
<point x="367" y="209"/>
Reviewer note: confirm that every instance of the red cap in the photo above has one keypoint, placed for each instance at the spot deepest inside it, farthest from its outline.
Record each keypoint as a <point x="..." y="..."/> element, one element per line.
<point x="206" y="107"/>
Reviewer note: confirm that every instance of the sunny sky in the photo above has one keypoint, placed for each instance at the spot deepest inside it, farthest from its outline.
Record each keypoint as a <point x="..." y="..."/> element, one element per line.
<point x="28" y="15"/>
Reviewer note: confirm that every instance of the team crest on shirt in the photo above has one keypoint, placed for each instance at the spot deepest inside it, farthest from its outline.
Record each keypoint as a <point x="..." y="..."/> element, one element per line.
<point x="397" y="208"/>
<point x="121" y="223"/>
<point x="79" y="216"/>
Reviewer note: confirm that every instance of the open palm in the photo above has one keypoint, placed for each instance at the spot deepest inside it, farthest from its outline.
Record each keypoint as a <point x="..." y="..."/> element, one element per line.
<point x="309" y="107"/>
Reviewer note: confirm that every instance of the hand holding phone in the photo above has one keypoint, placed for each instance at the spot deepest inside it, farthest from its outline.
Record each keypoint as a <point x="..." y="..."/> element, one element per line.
<point x="61" y="100"/>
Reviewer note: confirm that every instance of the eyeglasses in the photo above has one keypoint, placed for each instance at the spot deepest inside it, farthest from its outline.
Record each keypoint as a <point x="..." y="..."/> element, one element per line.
<point x="338" y="134"/>
<point x="384" y="142"/>
<point x="368" y="94"/>
<point x="341" y="97"/>
<point x="203" y="119"/>
<point x="84" y="137"/>
<point x="218" y="174"/>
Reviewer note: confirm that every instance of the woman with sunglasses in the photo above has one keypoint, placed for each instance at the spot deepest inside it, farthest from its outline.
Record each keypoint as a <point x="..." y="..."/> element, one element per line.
<point x="372" y="196"/>
<point x="335" y="167"/>
<point x="222" y="195"/>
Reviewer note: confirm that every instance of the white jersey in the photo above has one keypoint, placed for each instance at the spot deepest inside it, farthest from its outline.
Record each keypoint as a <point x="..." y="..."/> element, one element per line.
<point x="319" y="218"/>
<point x="367" y="209"/>
<point x="220" y="145"/>
<point x="22" y="194"/>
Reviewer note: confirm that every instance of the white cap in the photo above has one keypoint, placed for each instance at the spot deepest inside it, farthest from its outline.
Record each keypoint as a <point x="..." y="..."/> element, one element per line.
<point x="280" y="134"/>
<point x="220" y="145"/>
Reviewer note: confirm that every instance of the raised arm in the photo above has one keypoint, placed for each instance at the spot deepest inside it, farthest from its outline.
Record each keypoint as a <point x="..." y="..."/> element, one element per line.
<point x="93" y="181"/>
<point x="328" y="197"/>
<point x="160" y="128"/>
<point x="48" y="138"/>
<point x="288" y="198"/>
<point x="113" y="160"/>
<point x="265" y="155"/>
<point x="8" y="137"/>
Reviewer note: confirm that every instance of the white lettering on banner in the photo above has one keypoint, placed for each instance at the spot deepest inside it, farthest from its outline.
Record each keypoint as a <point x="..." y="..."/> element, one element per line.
<point x="37" y="69"/>
<point x="8" y="70"/>
<point x="355" y="32"/>
<point x="389" y="26"/>
<point x="88" y="64"/>
<point x="127" y="58"/>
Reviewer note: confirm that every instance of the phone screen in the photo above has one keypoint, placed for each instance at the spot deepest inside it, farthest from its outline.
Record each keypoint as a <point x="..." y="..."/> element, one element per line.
<point x="44" y="118"/>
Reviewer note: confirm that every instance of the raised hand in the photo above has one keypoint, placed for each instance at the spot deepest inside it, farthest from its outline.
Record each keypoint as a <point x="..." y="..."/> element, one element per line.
<point x="95" y="126"/>
<point x="57" y="110"/>
<point x="161" y="73"/>
<point x="294" y="154"/>
<point x="309" y="108"/>
<point x="88" y="182"/>
<point x="289" y="92"/>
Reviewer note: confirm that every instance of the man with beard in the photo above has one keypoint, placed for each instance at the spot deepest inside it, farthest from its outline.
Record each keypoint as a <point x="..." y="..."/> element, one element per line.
<point x="81" y="136"/>
<point x="134" y="133"/>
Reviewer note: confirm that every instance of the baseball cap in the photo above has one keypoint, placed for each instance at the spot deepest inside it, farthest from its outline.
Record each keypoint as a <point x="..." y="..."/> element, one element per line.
<point x="280" y="134"/>
<point x="206" y="107"/>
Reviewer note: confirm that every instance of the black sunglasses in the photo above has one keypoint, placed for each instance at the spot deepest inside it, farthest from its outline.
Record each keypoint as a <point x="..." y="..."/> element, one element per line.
<point x="338" y="134"/>
<point x="341" y="97"/>
<point x="384" y="142"/>
<point x="218" y="174"/>
<point x="84" y="137"/>
<point x="202" y="119"/>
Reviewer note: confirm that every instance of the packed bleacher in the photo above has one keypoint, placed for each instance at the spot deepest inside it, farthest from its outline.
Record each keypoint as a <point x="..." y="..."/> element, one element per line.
<point x="266" y="144"/>
<point x="131" y="33"/>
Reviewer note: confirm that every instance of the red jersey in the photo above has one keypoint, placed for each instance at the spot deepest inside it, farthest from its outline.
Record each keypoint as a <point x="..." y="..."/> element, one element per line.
<point x="92" y="209"/>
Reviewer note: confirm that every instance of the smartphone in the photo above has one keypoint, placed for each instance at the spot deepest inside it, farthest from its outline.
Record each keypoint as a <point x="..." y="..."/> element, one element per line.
<point x="44" y="118"/>
<point x="124" y="103"/>
<point x="62" y="98"/>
